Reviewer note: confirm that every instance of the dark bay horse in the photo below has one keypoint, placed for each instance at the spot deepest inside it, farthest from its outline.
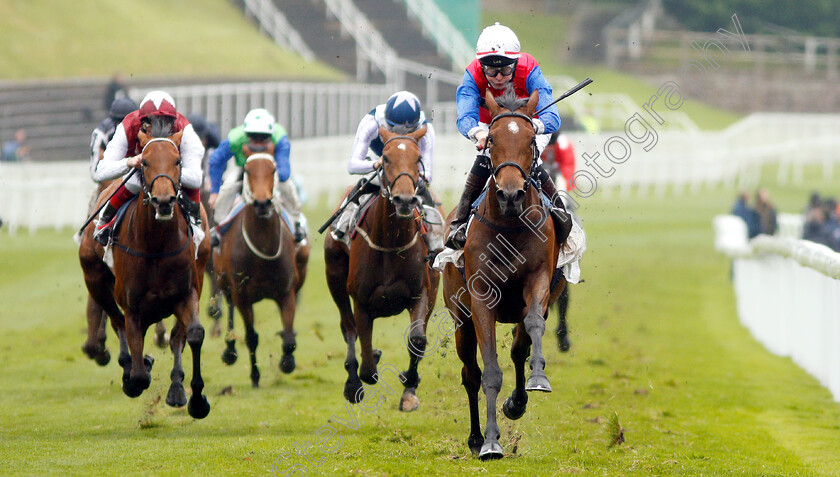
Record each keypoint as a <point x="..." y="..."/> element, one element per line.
<point x="157" y="272"/>
<point x="509" y="259"/>
<point x="384" y="270"/>
<point x="258" y="259"/>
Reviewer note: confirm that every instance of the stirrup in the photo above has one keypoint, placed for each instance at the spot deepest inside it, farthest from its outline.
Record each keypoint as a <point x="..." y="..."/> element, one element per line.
<point x="457" y="236"/>
<point x="102" y="234"/>
<point x="215" y="238"/>
<point x="300" y="234"/>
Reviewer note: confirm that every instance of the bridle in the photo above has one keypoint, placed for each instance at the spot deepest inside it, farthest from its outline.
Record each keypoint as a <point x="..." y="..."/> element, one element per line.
<point x="386" y="189"/>
<point x="247" y="193"/>
<point x="528" y="176"/>
<point x="147" y="187"/>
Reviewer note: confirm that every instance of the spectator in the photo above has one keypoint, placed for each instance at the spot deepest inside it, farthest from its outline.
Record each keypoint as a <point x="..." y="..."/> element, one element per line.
<point x="815" y="215"/>
<point x="16" y="149"/>
<point x="115" y="89"/>
<point x="766" y="213"/>
<point x="742" y="209"/>
<point x="831" y="225"/>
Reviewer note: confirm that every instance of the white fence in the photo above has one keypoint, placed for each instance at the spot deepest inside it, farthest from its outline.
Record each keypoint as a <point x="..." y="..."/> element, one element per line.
<point x="788" y="296"/>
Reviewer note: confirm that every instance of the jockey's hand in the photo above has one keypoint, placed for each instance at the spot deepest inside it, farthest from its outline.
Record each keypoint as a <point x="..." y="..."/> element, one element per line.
<point x="377" y="164"/>
<point x="135" y="161"/>
<point x="481" y="139"/>
<point x="212" y="199"/>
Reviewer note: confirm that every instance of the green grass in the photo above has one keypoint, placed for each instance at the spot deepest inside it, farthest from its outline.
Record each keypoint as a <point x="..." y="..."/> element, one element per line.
<point x="657" y="352"/>
<point x="162" y="38"/>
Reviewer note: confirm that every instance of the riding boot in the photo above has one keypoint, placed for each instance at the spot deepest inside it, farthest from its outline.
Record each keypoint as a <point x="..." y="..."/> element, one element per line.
<point x="190" y="201"/>
<point x="476" y="180"/>
<point x="562" y="219"/>
<point x="102" y="233"/>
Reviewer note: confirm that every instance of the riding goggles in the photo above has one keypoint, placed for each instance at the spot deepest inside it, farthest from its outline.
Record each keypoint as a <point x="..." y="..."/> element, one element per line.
<point x="492" y="71"/>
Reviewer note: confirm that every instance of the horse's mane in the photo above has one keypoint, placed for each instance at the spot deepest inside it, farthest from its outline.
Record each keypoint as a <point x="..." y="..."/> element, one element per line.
<point x="160" y="126"/>
<point x="508" y="99"/>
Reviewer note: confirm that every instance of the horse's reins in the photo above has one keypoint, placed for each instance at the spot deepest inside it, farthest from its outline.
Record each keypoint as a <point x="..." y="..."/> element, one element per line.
<point x="248" y="197"/>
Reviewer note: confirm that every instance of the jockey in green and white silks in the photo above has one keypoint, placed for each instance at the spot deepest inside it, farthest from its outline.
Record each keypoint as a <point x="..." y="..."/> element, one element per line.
<point x="257" y="129"/>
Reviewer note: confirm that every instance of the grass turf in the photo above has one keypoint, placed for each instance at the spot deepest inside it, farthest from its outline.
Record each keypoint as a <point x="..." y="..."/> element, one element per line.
<point x="657" y="352"/>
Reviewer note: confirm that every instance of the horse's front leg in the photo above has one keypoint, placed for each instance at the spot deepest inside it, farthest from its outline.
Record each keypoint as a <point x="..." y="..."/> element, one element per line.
<point x="187" y="313"/>
<point x="139" y="376"/>
<point x="287" y="304"/>
<point x="252" y="339"/>
<point x="562" y="330"/>
<point x="416" y="341"/>
<point x="514" y="406"/>
<point x="534" y="325"/>
<point x="364" y="326"/>
<point x="491" y="380"/>
<point x="177" y="397"/>
<point x="229" y="355"/>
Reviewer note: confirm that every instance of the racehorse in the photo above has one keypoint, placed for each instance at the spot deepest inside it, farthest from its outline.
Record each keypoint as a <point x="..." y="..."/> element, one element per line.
<point x="157" y="272"/>
<point x="384" y="270"/>
<point x="509" y="262"/>
<point x="257" y="259"/>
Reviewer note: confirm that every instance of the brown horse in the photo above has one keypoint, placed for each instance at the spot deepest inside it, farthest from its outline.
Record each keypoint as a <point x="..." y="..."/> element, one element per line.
<point x="509" y="261"/>
<point x="157" y="272"/>
<point x="384" y="270"/>
<point x="257" y="259"/>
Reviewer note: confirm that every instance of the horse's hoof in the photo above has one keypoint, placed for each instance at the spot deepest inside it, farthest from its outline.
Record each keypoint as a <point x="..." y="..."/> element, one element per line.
<point x="377" y="353"/>
<point x="216" y="313"/>
<point x="474" y="442"/>
<point x="176" y="397"/>
<point x="149" y="362"/>
<point x="512" y="411"/>
<point x="491" y="450"/>
<point x="287" y="363"/>
<point x="198" y="407"/>
<point x="564" y="344"/>
<point x="103" y="358"/>
<point x="229" y="356"/>
<point x="131" y="390"/>
<point x="538" y="383"/>
<point x="409" y="402"/>
<point x="354" y="393"/>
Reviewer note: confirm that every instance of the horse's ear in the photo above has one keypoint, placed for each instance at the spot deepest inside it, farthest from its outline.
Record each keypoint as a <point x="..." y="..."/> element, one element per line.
<point x="142" y="137"/>
<point x="176" y="138"/>
<point x="419" y="133"/>
<point x="385" y="134"/>
<point x="492" y="105"/>
<point x="531" y="106"/>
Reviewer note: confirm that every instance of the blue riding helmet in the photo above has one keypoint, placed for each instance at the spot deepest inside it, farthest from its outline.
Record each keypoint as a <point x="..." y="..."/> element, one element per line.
<point x="403" y="109"/>
<point x="121" y="107"/>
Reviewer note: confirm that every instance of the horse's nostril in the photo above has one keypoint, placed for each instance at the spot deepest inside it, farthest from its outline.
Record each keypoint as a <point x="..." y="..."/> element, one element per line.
<point x="520" y="196"/>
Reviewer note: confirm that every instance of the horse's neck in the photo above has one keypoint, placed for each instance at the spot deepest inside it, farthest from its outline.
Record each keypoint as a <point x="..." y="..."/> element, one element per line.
<point x="263" y="230"/>
<point x="391" y="230"/>
<point x="156" y="234"/>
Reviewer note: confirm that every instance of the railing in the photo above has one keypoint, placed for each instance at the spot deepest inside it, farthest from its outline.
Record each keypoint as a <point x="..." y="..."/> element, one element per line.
<point x="788" y="296"/>
<point x="436" y="24"/>
<point x="273" y="22"/>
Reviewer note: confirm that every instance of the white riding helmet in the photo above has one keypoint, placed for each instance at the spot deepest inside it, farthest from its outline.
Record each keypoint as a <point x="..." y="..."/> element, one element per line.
<point x="259" y="121"/>
<point x="497" y="46"/>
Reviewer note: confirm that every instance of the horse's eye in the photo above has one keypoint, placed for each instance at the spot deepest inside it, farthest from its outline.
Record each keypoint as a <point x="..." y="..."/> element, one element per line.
<point x="385" y="159"/>
<point x="178" y="162"/>
<point x="144" y="163"/>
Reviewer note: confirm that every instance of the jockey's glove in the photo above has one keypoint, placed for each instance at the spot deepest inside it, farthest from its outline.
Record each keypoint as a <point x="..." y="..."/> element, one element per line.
<point x="539" y="127"/>
<point x="478" y="135"/>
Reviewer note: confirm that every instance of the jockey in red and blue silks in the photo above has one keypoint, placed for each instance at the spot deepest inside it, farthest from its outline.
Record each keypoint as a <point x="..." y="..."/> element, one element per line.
<point x="124" y="153"/>
<point x="499" y="65"/>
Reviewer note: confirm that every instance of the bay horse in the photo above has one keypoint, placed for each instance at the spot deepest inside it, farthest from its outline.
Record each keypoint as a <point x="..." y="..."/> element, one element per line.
<point x="508" y="270"/>
<point x="384" y="271"/>
<point x="258" y="259"/>
<point x="157" y="272"/>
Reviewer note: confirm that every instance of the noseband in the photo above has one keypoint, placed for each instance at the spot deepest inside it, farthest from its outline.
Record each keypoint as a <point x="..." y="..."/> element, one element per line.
<point x="147" y="188"/>
<point x="386" y="191"/>
<point x="535" y="154"/>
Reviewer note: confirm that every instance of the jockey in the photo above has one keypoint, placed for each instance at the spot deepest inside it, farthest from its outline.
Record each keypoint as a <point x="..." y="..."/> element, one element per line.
<point x="124" y="152"/>
<point x="401" y="114"/>
<point x="499" y="64"/>
<point x="257" y="129"/>
<point x="101" y="136"/>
